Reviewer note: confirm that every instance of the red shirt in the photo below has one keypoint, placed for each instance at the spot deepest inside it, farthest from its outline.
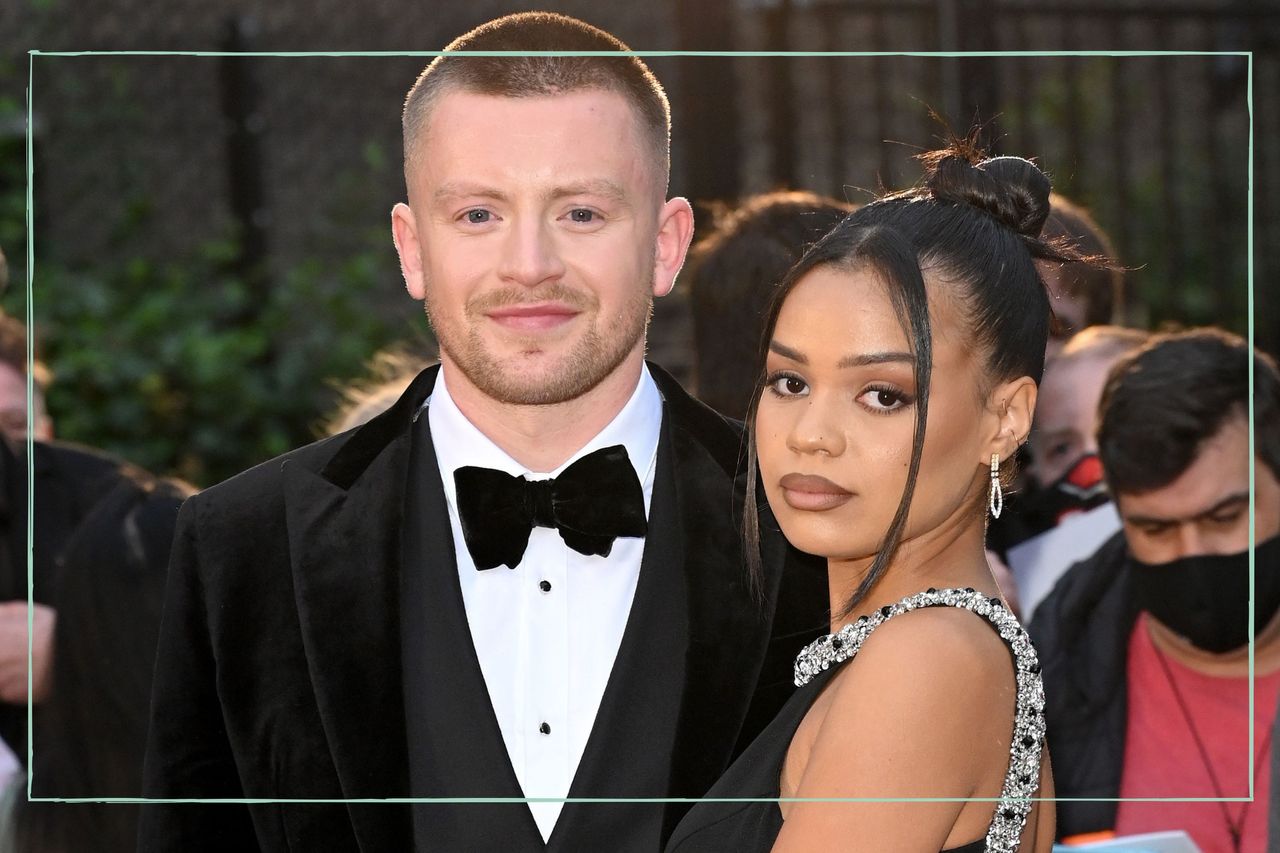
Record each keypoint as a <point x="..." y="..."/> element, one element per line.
<point x="1161" y="758"/>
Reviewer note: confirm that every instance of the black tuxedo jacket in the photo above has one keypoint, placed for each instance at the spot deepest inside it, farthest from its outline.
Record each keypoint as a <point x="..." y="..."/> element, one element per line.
<point x="314" y="646"/>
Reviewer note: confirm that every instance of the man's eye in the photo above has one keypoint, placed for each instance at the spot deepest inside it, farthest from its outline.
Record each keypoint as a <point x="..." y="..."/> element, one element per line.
<point x="1058" y="450"/>
<point x="1226" y="518"/>
<point x="581" y="214"/>
<point x="477" y="216"/>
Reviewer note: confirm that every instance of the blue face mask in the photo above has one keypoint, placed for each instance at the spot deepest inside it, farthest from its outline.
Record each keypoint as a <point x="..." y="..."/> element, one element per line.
<point x="1205" y="598"/>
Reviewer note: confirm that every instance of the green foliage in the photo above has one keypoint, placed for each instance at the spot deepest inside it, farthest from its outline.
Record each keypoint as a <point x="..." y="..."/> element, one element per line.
<point x="188" y="368"/>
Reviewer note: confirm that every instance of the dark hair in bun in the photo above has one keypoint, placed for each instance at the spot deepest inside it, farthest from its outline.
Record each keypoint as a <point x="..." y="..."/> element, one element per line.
<point x="1011" y="189"/>
<point x="972" y="226"/>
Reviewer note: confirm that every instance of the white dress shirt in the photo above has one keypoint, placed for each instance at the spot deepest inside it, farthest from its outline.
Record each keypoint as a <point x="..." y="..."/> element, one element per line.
<point x="547" y="632"/>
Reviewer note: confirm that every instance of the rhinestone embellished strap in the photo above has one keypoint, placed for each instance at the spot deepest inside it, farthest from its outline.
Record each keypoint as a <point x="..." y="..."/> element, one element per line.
<point x="1023" y="776"/>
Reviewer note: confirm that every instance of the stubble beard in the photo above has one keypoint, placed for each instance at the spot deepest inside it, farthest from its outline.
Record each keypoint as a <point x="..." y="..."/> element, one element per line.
<point x="512" y="380"/>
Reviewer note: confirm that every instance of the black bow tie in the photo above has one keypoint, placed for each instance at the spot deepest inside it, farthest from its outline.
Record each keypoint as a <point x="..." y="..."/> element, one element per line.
<point x="592" y="502"/>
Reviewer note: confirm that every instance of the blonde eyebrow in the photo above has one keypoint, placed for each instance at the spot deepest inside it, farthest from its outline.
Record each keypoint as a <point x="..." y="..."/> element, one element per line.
<point x="460" y="190"/>
<point x="598" y="187"/>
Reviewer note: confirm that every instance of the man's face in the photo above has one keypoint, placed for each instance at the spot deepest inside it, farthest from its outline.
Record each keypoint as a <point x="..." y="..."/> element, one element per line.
<point x="1066" y="416"/>
<point x="1206" y="509"/>
<point x="537" y="236"/>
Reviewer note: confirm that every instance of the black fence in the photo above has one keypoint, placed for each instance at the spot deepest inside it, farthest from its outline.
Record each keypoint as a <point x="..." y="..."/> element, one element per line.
<point x="1157" y="145"/>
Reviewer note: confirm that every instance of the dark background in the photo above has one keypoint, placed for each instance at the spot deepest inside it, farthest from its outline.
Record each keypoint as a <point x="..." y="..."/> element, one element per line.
<point x="211" y="236"/>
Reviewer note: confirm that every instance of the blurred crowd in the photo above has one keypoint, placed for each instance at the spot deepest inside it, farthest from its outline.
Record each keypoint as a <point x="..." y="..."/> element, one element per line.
<point x="1125" y="544"/>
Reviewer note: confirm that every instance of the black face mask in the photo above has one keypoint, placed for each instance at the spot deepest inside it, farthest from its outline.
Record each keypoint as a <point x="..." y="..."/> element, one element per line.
<point x="1206" y="598"/>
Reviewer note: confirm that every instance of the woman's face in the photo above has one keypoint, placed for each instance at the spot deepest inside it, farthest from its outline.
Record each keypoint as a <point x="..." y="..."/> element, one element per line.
<point x="835" y="421"/>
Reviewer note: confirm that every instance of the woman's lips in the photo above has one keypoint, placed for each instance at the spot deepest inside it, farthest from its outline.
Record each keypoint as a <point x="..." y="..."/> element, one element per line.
<point x="532" y="318"/>
<point x="812" y="493"/>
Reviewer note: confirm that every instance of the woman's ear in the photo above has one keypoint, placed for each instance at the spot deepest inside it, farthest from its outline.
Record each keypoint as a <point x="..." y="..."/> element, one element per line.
<point x="1014" y="405"/>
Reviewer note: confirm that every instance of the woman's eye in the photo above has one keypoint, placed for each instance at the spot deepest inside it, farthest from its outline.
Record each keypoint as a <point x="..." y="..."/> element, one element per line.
<point x="477" y="217"/>
<point x="786" y="385"/>
<point x="883" y="399"/>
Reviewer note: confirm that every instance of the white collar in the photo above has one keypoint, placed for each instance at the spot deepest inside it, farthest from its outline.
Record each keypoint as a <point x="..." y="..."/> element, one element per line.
<point x="459" y="442"/>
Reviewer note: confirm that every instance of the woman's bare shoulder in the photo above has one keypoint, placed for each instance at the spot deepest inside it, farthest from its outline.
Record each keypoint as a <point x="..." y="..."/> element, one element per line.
<point x="901" y="720"/>
<point x="928" y="653"/>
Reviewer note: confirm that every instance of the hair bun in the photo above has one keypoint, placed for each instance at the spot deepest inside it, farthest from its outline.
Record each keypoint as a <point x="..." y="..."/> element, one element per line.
<point x="1011" y="189"/>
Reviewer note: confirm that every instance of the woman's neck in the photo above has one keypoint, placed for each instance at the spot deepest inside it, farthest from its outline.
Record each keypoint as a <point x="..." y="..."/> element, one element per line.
<point x="950" y="555"/>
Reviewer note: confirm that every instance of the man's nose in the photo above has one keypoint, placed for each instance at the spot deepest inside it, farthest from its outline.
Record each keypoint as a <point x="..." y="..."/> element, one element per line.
<point x="1190" y="541"/>
<point x="529" y="254"/>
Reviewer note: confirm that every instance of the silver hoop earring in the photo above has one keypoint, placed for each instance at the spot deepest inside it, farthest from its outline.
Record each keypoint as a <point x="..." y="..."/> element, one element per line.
<point x="995" y="496"/>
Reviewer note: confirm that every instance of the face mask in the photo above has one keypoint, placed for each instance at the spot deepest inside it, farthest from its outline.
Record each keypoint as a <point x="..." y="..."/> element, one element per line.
<point x="1079" y="490"/>
<point x="1205" y="598"/>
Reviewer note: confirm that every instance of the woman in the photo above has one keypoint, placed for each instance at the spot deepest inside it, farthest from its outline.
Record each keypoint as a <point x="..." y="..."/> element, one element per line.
<point x="902" y="358"/>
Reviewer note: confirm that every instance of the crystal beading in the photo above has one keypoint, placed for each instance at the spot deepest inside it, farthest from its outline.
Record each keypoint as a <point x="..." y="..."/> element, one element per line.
<point x="1022" y="779"/>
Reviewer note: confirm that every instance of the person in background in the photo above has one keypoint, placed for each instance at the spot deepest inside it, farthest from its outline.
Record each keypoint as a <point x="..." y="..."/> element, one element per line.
<point x="1144" y="645"/>
<point x="390" y="373"/>
<point x="101" y="533"/>
<point x="1064" y="446"/>
<point x="1063" y="476"/>
<point x="1082" y="294"/>
<point x="89" y="735"/>
<point x="732" y="276"/>
<point x="13" y="385"/>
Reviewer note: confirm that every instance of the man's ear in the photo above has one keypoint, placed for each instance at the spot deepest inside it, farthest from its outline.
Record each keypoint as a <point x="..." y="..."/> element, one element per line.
<point x="404" y="231"/>
<point x="675" y="230"/>
<point x="1011" y="407"/>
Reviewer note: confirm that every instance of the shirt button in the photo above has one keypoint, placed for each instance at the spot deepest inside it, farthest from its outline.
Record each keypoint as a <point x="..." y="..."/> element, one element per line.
<point x="545" y="728"/>
<point x="545" y="586"/>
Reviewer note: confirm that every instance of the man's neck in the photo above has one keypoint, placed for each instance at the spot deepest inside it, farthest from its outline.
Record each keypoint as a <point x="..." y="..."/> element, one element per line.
<point x="543" y="437"/>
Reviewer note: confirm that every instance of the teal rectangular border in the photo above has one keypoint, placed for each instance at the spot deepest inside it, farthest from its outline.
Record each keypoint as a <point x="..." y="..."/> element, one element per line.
<point x="32" y="54"/>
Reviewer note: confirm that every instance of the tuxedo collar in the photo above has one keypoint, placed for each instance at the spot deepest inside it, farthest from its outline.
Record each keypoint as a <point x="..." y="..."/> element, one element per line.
<point x="367" y="441"/>
<point x="459" y="442"/>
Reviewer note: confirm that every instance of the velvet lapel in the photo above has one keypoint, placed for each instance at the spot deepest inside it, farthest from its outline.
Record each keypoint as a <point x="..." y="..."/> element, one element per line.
<point x="344" y="542"/>
<point x="728" y="628"/>
<point x="455" y="745"/>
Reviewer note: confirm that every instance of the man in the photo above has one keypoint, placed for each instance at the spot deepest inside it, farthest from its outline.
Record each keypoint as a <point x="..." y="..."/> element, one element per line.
<point x="1065" y="435"/>
<point x="392" y="613"/>
<point x="1145" y="644"/>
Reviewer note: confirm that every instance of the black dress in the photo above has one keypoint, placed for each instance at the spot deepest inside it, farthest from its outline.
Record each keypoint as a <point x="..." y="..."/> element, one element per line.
<point x="752" y="827"/>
